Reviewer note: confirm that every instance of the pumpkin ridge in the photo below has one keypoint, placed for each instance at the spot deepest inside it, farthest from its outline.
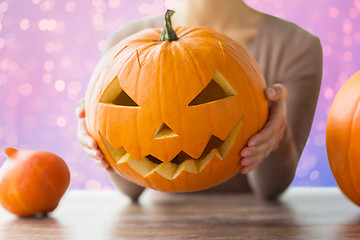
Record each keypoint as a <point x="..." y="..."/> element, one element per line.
<point x="188" y="49"/>
<point x="185" y="32"/>
<point x="144" y="51"/>
<point x="352" y="173"/>
<point x="137" y="115"/>
<point x="118" y="53"/>
<point x="47" y="176"/>
<point x="16" y="196"/>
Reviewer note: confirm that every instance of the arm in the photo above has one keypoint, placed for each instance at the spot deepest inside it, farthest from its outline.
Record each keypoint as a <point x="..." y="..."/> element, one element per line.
<point x="272" y="155"/>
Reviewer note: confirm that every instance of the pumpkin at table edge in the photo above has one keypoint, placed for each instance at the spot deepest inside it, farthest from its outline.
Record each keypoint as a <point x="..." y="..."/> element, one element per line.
<point x="161" y="79"/>
<point x="343" y="138"/>
<point x="32" y="182"/>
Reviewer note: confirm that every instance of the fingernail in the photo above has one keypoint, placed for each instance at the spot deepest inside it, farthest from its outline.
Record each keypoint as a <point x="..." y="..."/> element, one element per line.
<point x="244" y="153"/>
<point x="247" y="153"/>
<point x="90" y="144"/>
<point x="271" y="92"/>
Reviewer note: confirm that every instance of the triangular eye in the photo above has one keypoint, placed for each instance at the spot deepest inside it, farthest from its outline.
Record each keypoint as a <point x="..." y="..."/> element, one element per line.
<point x="115" y="95"/>
<point x="217" y="89"/>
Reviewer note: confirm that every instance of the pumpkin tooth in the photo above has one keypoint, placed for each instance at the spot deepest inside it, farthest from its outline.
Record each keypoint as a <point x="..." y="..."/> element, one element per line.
<point x="166" y="170"/>
<point x="124" y="158"/>
<point x="230" y="139"/>
<point x="115" y="153"/>
<point x="204" y="161"/>
<point x="190" y="166"/>
<point x="216" y="152"/>
<point x="143" y="166"/>
<point x="209" y="157"/>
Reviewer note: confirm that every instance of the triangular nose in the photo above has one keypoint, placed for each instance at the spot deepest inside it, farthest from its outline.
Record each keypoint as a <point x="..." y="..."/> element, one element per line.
<point x="164" y="131"/>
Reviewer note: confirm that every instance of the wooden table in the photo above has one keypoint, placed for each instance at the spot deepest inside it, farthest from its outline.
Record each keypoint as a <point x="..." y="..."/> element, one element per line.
<point x="302" y="213"/>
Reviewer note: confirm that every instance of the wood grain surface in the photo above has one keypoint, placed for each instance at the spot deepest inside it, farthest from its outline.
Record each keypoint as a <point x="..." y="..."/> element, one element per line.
<point x="302" y="213"/>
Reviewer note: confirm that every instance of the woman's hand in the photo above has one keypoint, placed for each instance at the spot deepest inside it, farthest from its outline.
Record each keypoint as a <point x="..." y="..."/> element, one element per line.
<point x="267" y="140"/>
<point x="90" y="145"/>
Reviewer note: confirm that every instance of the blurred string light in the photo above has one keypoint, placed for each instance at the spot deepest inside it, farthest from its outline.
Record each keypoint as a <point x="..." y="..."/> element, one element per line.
<point x="3" y="6"/>
<point x="70" y="6"/>
<point x="47" y="24"/>
<point x="24" y="24"/>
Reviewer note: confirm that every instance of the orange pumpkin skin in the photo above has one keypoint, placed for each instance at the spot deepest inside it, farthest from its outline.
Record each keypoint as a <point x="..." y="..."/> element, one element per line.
<point x="32" y="182"/>
<point x="163" y="77"/>
<point x="343" y="138"/>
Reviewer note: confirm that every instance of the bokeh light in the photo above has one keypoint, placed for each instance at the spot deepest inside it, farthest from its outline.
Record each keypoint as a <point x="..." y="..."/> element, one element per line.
<point x="60" y="85"/>
<point x="24" y="24"/>
<point x="70" y="6"/>
<point x="50" y="48"/>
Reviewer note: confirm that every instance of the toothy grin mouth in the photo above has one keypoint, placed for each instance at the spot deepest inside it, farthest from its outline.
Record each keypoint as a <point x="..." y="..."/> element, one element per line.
<point x="181" y="162"/>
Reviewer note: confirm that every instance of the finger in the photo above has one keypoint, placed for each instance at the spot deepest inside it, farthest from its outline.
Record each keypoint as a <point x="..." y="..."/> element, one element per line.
<point x="257" y="150"/>
<point x="277" y="110"/>
<point x="256" y="159"/>
<point x="248" y="169"/>
<point x="265" y="147"/>
<point x="85" y="139"/>
<point x="276" y="122"/>
<point x="102" y="163"/>
<point x="263" y="150"/>
<point x="94" y="153"/>
<point x="247" y="161"/>
<point x="253" y="163"/>
<point x="98" y="154"/>
<point x="270" y="129"/>
<point x="80" y="109"/>
<point x="276" y="92"/>
<point x="255" y="155"/>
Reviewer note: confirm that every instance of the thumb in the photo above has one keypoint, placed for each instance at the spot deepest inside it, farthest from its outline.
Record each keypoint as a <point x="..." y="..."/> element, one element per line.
<point x="276" y="92"/>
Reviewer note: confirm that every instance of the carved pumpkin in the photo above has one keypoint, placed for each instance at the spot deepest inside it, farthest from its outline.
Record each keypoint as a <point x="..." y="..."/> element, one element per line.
<point x="32" y="182"/>
<point x="343" y="138"/>
<point x="173" y="114"/>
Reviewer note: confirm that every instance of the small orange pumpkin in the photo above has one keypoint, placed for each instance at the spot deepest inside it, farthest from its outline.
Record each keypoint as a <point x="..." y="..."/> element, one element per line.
<point x="343" y="138"/>
<point x="32" y="182"/>
<point x="173" y="114"/>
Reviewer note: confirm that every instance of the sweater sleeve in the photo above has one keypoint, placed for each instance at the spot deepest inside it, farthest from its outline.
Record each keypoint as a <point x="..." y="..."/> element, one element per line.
<point x="293" y="57"/>
<point x="301" y="73"/>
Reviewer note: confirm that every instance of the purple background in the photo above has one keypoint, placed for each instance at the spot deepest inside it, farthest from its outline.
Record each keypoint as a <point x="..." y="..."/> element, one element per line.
<point x="48" y="50"/>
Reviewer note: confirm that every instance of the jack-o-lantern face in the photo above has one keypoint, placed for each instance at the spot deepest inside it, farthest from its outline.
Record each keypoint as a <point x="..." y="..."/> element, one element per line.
<point x="173" y="116"/>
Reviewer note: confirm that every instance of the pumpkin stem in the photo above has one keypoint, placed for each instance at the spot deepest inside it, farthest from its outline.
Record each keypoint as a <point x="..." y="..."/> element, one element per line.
<point x="168" y="33"/>
<point x="11" y="152"/>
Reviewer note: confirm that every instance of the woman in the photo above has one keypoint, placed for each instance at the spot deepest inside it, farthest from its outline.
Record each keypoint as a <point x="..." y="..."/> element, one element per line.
<point x="291" y="60"/>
